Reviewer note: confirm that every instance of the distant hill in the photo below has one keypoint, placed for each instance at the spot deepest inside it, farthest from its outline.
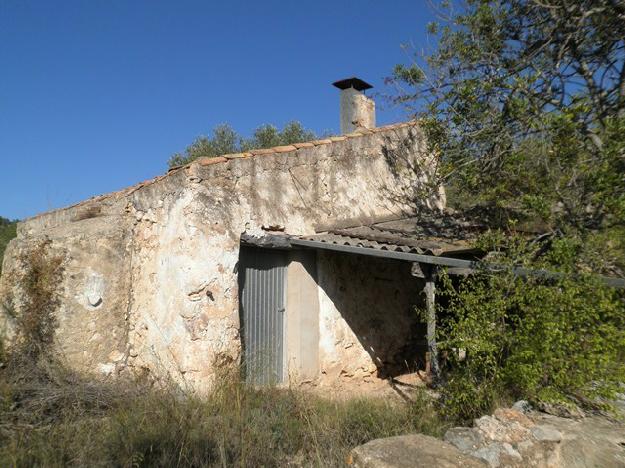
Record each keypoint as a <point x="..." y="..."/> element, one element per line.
<point x="8" y="230"/>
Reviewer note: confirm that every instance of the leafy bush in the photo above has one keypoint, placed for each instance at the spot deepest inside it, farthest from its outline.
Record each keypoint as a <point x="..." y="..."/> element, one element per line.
<point x="558" y="341"/>
<point x="509" y="102"/>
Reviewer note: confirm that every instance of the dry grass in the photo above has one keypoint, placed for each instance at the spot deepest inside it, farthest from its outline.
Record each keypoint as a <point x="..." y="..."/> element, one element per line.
<point x="52" y="417"/>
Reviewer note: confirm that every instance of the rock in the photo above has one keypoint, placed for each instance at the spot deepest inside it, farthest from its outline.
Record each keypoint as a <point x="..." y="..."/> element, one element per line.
<point x="414" y="451"/>
<point x="507" y="415"/>
<point x="498" y="454"/>
<point x="511" y="452"/>
<point x="523" y="406"/>
<point x="493" y="429"/>
<point x="489" y="454"/>
<point x="116" y="356"/>
<point x="525" y="445"/>
<point x="516" y="432"/>
<point x="546" y="433"/>
<point x="593" y="441"/>
<point x="562" y="411"/>
<point x="94" y="300"/>
<point x="106" y="368"/>
<point x="539" y="454"/>
<point x="550" y="441"/>
<point x="490" y="427"/>
<point x="464" y="439"/>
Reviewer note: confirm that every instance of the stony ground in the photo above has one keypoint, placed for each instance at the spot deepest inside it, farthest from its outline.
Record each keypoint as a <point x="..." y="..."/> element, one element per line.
<point x="511" y="437"/>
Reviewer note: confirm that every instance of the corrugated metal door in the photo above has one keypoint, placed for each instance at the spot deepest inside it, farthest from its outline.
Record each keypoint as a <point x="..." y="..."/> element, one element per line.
<point x="263" y="297"/>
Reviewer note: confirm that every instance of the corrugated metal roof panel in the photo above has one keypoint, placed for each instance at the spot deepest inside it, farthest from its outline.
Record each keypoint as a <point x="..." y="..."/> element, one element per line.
<point x="432" y="234"/>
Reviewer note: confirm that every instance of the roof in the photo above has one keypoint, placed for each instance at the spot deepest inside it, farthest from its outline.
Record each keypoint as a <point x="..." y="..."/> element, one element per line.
<point x="430" y="233"/>
<point x="353" y="82"/>
<point x="439" y="239"/>
<point x="206" y="161"/>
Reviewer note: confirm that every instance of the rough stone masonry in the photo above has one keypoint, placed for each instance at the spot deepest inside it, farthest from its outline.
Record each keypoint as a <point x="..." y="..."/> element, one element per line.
<point x="150" y="278"/>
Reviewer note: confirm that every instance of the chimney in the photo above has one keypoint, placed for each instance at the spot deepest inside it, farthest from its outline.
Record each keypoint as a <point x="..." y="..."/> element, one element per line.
<point x="357" y="110"/>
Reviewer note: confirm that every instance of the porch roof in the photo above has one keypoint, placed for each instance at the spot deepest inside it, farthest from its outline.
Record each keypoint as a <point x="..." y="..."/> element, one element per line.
<point x="438" y="239"/>
<point x="431" y="233"/>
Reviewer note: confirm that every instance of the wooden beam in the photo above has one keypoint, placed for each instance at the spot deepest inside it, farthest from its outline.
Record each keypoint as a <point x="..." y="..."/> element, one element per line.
<point x="430" y="305"/>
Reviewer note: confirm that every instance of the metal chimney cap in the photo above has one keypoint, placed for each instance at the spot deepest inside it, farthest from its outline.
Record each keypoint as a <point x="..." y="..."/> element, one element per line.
<point x="353" y="82"/>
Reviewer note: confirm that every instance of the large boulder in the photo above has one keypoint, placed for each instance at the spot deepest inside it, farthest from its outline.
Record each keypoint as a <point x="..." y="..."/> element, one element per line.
<point x="414" y="451"/>
<point x="512" y="437"/>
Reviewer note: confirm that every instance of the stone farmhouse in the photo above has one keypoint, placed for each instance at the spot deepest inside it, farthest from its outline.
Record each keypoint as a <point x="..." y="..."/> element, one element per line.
<point x="299" y="262"/>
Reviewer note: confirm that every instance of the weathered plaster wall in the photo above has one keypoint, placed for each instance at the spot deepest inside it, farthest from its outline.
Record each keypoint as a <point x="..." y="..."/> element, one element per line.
<point x="93" y="316"/>
<point x="369" y="327"/>
<point x="357" y="110"/>
<point x="302" y="317"/>
<point x="163" y="255"/>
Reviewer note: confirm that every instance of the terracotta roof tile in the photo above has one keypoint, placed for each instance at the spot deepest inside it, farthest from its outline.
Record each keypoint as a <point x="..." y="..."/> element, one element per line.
<point x="237" y="155"/>
<point x="209" y="161"/>
<point x="294" y="147"/>
<point x="390" y="127"/>
<point x="284" y="149"/>
<point x="325" y="141"/>
<point x="260" y="152"/>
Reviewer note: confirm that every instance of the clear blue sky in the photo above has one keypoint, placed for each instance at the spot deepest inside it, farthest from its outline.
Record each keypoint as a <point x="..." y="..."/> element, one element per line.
<point x="96" y="95"/>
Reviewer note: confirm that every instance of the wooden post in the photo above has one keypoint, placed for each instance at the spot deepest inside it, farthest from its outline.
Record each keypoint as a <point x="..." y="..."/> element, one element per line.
<point x="430" y="304"/>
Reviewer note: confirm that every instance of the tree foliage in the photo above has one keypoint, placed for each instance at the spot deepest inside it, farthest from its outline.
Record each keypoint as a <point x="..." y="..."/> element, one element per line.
<point x="523" y="101"/>
<point x="8" y="230"/>
<point x="225" y="139"/>
<point x="560" y="341"/>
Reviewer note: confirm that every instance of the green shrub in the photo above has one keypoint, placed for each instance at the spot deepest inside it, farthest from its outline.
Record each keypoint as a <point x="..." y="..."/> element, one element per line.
<point x="557" y="341"/>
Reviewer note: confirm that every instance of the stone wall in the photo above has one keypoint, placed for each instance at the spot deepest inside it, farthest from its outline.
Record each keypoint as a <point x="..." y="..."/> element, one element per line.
<point x="369" y="328"/>
<point x="152" y="270"/>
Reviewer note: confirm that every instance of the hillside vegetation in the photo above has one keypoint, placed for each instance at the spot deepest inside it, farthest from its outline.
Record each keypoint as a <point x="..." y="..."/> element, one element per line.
<point x="8" y="230"/>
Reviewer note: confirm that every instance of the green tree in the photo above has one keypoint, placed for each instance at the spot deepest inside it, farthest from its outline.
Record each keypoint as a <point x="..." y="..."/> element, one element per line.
<point x="523" y="102"/>
<point x="226" y="140"/>
<point x="267" y="136"/>
<point x="8" y="230"/>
